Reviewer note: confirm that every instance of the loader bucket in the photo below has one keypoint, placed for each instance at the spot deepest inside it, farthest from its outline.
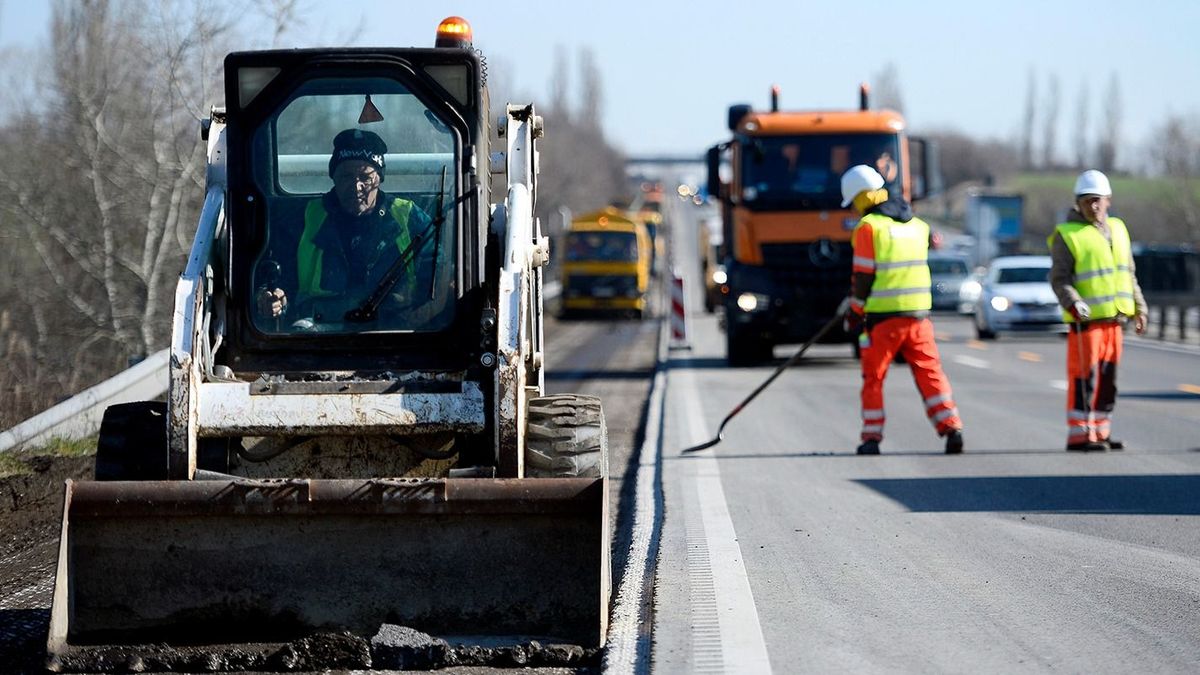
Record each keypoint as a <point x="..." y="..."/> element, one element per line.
<point x="249" y="561"/>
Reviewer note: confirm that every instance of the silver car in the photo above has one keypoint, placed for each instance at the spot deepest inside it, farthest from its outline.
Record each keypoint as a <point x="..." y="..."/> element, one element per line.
<point x="947" y="273"/>
<point x="1016" y="296"/>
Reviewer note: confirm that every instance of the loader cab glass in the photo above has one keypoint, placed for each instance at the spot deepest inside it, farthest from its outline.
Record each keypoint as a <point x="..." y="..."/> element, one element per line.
<point x="789" y="172"/>
<point x="361" y="212"/>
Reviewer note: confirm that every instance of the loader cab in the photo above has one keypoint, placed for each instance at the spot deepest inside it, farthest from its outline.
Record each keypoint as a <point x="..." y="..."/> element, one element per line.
<point x="398" y="284"/>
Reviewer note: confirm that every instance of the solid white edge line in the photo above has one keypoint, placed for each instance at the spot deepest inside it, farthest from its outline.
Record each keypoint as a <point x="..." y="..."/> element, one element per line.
<point x="743" y="646"/>
<point x="626" y="650"/>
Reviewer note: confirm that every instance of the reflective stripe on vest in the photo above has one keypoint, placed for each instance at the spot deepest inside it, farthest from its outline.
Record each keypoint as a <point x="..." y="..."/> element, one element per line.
<point x="902" y="278"/>
<point x="309" y="257"/>
<point x="1104" y="283"/>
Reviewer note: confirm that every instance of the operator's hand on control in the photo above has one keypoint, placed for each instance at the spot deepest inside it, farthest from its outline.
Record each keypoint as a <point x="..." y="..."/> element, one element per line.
<point x="1081" y="311"/>
<point x="272" y="302"/>
<point x="1140" y="322"/>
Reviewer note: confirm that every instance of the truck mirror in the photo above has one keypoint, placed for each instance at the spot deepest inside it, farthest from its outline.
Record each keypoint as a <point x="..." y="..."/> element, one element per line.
<point x="736" y="113"/>
<point x="713" y="159"/>
<point x="926" y="170"/>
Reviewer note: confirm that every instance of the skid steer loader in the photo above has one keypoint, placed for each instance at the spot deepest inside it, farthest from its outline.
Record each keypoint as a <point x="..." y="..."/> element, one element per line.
<point x="370" y="446"/>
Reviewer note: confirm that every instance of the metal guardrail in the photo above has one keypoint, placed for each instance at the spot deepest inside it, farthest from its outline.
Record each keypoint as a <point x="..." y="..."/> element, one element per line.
<point x="80" y="415"/>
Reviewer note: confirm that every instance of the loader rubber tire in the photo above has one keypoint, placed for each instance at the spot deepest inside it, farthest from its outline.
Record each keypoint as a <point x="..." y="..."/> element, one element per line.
<point x="566" y="437"/>
<point x="133" y="442"/>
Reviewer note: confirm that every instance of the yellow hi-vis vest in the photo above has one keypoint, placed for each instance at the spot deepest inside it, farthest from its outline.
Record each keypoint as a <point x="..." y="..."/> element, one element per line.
<point x="1101" y="270"/>
<point x="901" y="265"/>
<point x="309" y="257"/>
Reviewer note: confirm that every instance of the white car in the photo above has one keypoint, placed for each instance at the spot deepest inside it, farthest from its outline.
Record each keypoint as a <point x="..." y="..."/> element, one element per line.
<point x="1016" y="296"/>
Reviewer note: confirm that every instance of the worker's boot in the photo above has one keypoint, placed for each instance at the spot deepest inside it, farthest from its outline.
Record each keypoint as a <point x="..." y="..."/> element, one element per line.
<point x="954" y="442"/>
<point x="1114" y="444"/>
<point x="1088" y="446"/>
<point x="869" y="447"/>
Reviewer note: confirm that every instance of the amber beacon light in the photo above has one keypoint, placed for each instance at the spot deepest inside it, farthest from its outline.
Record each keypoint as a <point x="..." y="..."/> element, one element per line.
<point x="453" y="31"/>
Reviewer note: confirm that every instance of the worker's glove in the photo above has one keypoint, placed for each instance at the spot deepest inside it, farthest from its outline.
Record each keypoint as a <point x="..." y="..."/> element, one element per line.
<point x="852" y="322"/>
<point x="1081" y="311"/>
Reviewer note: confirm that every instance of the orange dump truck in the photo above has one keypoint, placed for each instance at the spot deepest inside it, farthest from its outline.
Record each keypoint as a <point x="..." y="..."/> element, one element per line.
<point x="787" y="235"/>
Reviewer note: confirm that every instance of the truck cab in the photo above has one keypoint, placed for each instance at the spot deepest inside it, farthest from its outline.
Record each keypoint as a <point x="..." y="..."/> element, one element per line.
<point x="787" y="235"/>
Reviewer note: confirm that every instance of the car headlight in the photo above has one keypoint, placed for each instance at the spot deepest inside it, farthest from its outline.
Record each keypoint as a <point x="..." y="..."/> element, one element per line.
<point x="969" y="290"/>
<point x="719" y="277"/>
<point x="752" y="302"/>
<point x="1000" y="303"/>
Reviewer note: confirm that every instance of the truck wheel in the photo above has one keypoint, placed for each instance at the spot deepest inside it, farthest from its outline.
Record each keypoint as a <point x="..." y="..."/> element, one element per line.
<point x="566" y="437"/>
<point x="133" y="442"/>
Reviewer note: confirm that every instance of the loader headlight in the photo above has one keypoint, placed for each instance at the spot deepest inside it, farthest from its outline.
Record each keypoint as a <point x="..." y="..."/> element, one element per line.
<point x="753" y="302"/>
<point x="1000" y="303"/>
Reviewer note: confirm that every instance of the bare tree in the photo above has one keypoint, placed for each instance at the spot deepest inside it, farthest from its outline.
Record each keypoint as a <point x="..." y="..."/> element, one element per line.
<point x="1050" y="124"/>
<point x="1176" y="148"/>
<point x="887" y="88"/>
<point x="560" y="84"/>
<point x="1029" y="122"/>
<point x="283" y="16"/>
<point x="1110" y="128"/>
<point x="1081" y="128"/>
<point x="100" y="190"/>
<point x="967" y="159"/>
<point x="567" y="179"/>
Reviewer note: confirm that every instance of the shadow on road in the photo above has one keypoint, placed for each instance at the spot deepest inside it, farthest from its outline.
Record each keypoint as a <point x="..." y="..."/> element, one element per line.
<point x="1161" y="395"/>
<point x="1128" y="494"/>
<point x="601" y="374"/>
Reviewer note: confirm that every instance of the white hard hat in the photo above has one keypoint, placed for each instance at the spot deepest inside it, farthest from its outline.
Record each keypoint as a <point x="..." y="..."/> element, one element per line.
<point x="1092" y="182"/>
<point x="857" y="179"/>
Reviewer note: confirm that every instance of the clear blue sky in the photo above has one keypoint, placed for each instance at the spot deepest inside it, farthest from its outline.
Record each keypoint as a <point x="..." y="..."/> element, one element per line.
<point x="670" y="69"/>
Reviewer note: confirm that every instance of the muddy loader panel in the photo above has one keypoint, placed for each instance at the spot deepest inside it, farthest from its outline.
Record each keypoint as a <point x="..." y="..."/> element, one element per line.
<point x="211" y="562"/>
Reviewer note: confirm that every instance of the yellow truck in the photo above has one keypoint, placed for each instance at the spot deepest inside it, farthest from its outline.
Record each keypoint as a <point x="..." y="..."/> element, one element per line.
<point x="606" y="264"/>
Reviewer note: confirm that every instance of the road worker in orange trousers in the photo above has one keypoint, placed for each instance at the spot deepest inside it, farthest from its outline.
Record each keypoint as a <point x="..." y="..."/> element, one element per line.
<point x="1092" y="274"/>
<point x="890" y="301"/>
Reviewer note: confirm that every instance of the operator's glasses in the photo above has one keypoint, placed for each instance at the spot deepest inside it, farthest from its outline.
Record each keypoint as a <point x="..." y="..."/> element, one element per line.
<point x="365" y="178"/>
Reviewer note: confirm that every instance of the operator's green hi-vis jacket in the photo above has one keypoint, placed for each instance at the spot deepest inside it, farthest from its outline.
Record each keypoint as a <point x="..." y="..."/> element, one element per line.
<point x="309" y="256"/>
<point x="902" y="280"/>
<point x="1101" y="271"/>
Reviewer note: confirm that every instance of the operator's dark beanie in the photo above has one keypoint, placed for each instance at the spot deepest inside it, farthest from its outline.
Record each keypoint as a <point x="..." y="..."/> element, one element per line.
<point x="358" y="144"/>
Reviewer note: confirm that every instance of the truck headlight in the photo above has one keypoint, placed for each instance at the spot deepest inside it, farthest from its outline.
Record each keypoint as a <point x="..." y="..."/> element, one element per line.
<point x="719" y="277"/>
<point x="752" y="302"/>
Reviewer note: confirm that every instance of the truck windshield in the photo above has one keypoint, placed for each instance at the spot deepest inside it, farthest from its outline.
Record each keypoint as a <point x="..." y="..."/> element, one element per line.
<point x="804" y="172"/>
<point x="359" y="180"/>
<point x="601" y="246"/>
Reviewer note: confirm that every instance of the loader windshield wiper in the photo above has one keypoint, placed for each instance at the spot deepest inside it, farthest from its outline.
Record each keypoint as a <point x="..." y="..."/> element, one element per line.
<point x="369" y="309"/>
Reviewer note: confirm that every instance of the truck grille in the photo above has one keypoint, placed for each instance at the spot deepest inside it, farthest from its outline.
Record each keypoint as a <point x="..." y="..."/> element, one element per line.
<point x="601" y="286"/>
<point x="818" y="281"/>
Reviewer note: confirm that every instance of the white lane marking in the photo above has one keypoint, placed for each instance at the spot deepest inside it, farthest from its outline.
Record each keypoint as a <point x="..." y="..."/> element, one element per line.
<point x="628" y="646"/>
<point x="1061" y="385"/>
<point x="715" y="558"/>
<point x="972" y="361"/>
